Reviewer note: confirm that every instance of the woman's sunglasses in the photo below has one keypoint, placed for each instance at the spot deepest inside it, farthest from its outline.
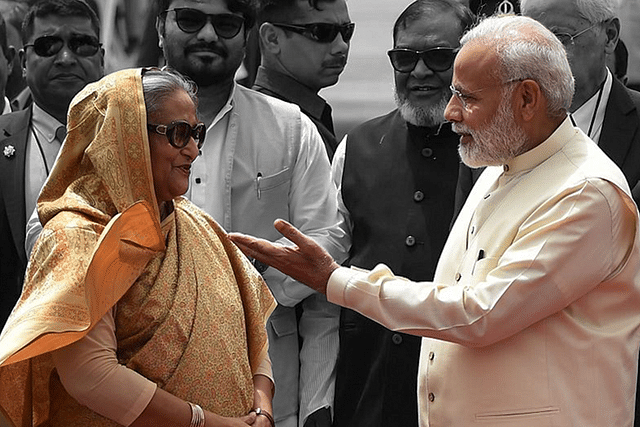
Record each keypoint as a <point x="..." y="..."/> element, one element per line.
<point x="226" y="25"/>
<point x="321" y="32"/>
<point x="81" y="45"/>
<point x="437" y="59"/>
<point x="179" y="133"/>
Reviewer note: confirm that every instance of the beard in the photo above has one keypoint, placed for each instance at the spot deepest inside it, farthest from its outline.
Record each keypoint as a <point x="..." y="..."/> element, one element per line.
<point x="496" y="143"/>
<point x="204" y="71"/>
<point x="422" y="116"/>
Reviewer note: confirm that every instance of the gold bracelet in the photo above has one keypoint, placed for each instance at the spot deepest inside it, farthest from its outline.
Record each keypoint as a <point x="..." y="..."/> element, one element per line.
<point x="197" y="415"/>
<point x="260" y="411"/>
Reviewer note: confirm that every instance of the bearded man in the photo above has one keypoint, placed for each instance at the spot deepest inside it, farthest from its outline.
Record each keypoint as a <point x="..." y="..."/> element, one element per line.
<point x="397" y="178"/>
<point x="532" y="317"/>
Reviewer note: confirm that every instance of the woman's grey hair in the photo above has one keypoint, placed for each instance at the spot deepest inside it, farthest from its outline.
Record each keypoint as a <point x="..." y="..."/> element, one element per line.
<point x="594" y="11"/>
<point x="160" y="84"/>
<point x="536" y="55"/>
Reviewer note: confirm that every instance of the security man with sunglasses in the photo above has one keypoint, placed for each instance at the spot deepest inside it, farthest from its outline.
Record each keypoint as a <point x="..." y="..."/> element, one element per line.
<point x="61" y="54"/>
<point x="304" y="46"/>
<point x="263" y="159"/>
<point x="397" y="177"/>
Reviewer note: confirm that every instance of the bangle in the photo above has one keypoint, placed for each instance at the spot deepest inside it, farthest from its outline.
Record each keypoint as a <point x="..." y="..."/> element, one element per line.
<point x="197" y="415"/>
<point x="260" y="411"/>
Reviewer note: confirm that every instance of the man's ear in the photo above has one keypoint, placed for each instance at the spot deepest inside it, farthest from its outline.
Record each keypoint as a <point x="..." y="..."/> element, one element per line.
<point x="529" y="99"/>
<point x="160" y="31"/>
<point x="22" y="56"/>
<point x="612" y="31"/>
<point x="270" y="37"/>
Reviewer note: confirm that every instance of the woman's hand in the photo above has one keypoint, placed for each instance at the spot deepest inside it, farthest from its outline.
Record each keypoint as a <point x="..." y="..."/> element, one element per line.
<point x="213" y="420"/>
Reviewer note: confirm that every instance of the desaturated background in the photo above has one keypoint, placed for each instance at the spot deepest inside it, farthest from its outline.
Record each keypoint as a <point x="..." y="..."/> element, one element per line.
<point x="365" y="89"/>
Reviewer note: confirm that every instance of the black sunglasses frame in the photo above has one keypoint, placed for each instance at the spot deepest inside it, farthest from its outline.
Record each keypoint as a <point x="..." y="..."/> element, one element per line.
<point x="197" y="132"/>
<point x="48" y="46"/>
<point x="314" y="31"/>
<point x="426" y="56"/>
<point x="216" y="20"/>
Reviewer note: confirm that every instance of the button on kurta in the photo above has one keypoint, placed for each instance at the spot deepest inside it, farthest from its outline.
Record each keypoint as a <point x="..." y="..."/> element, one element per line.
<point x="410" y="241"/>
<point x="418" y="196"/>
<point x="396" y="339"/>
<point x="427" y="152"/>
<point x="432" y="397"/>
<point x="432" y="355"/>
<point x="458" y="277"/>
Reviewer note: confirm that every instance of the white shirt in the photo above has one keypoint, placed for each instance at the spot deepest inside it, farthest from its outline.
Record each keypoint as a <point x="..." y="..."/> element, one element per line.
<point x="588" y="113"/>
<point x="42" y="150"/>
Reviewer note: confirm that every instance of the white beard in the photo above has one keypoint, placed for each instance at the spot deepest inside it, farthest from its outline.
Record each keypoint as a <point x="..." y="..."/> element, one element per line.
<point x="496" y="143"/>
<point x="423" y="116"/>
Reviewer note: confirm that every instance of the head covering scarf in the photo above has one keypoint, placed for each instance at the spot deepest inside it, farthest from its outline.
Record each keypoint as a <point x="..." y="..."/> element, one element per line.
<point x="190" y="310"/>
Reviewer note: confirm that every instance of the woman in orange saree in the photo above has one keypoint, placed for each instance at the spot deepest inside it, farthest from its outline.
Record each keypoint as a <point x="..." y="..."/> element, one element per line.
<point x="136" y="309"/>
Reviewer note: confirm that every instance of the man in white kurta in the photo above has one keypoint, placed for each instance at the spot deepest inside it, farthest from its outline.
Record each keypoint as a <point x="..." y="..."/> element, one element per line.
<point x="533" y="316"/>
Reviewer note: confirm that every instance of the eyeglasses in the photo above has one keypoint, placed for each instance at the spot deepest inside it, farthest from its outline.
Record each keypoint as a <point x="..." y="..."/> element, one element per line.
<point x="226" y="25"/>
<point x="179" y="133"/>
<point x="321" y="32"/>
<point x="569" y="39"/>
<point x="436" y="59"/>
<point x="81" y="45"/>
<point x="466" y="97"/>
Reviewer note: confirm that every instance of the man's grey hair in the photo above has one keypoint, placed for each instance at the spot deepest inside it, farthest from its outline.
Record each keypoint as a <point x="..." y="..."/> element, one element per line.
<point x="594" y="11"/>
<point x="536" y="55"/>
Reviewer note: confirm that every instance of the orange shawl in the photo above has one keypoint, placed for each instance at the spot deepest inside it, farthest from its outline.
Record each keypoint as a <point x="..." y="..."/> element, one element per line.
<point x="190" y="309"/>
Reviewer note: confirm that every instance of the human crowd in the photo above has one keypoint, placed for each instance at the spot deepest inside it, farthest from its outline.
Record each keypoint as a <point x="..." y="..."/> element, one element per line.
<point x="186" y="241"/>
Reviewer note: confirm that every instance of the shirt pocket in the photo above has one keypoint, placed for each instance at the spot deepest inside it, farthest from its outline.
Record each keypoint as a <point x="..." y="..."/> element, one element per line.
<point x="266" y="186"/>
<point x="517" y="414"/>
<point x="482" y="267"/>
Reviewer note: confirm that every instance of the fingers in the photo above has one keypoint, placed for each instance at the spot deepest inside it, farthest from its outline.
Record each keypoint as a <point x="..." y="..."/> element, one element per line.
<point x="293" y="234"/>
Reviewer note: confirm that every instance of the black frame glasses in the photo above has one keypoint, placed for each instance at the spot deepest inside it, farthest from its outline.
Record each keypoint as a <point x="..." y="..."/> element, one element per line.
<point x="226" y="25"/>
<point x="82" y="45"/>
<point x="180" y="132"/>
<point x="321" y="32"/>
<point x="436" y="59"/>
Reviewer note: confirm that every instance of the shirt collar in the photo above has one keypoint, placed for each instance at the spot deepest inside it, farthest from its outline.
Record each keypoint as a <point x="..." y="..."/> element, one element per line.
<point x="542" y="152"/>
<point x="292" y="90"/>
<point x="7" y="106"/>
<point x="228" y="106"/>
<point x="45" y="123"/>
<point x="585" y="113"/>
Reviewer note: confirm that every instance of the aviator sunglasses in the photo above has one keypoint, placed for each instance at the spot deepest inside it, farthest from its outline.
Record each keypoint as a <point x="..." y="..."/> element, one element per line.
<point x="189" y="20"/>
<point x="179" y="132"/>
<point x="437" y="59"/>
<point x="81" y="45"/>
<point x="321" y="32"/>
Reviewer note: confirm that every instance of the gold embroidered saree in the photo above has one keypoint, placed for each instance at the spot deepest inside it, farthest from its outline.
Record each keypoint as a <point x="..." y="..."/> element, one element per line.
<point x="190" y="310"/>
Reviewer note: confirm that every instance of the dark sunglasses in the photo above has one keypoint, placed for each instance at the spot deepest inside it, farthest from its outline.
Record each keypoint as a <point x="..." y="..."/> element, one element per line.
<point x="226" y="25"/>
<point x="321" y="32"/>
<point x="179" y="133"/>
<point x="437" y="59"/>
<point x="81" y="45"/>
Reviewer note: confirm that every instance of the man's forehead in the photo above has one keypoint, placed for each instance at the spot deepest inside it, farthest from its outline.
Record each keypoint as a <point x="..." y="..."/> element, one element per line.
<point x="53" y="24"/>
<point x="198" y="4"/>
<point x="431" y="31"/>
<point x="474" y="65"/>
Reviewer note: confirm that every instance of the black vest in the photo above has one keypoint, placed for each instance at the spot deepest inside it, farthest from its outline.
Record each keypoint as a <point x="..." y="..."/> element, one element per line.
<point x="399" y="185"/>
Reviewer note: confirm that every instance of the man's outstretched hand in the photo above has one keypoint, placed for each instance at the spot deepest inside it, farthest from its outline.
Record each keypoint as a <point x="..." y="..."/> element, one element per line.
<point x="306" y="262"/>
